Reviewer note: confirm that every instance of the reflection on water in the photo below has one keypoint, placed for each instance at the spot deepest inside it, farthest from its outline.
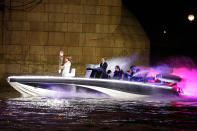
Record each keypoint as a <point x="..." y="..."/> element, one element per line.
<point x="97" y="114"/>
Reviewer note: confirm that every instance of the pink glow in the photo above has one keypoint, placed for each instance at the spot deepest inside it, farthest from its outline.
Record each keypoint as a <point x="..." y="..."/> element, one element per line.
<point x="189" y="80"/>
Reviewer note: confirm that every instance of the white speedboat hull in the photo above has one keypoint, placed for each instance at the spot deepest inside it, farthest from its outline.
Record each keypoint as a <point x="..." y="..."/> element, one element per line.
<point x="51" y="86"/>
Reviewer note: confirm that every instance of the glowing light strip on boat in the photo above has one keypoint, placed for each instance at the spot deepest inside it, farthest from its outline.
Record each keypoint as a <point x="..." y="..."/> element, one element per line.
<point x="90" y="79"/>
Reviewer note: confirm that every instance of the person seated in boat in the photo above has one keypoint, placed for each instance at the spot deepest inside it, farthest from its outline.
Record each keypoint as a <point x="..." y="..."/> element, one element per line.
<point x="109" y="74"/>
<point x="118" y="73"/>
<point x="66" y="67"/>
<point x="137" y="77"/>
<point x="140" y="76"/>
<point x="129" y="74"/>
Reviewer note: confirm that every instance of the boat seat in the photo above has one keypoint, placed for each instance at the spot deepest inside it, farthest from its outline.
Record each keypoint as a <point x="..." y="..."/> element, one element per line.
<point x="71" y="74"/>
<point x="88" y="73"/>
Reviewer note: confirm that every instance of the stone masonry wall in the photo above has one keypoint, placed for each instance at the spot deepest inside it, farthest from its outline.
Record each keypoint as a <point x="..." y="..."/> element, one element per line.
<point x="87" y="30"/>
<point x="2" y="72"/>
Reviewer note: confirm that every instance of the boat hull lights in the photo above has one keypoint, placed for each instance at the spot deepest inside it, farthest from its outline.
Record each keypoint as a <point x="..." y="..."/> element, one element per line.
<point x="43" y="85"/>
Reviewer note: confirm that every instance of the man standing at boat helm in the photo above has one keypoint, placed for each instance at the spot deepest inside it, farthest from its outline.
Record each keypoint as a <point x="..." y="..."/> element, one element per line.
<point x="103" y="64"/>
<point x="101" y="71"/>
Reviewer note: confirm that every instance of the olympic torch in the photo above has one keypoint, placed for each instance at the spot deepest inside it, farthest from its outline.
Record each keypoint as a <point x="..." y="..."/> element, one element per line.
<point x="61" y="60"/>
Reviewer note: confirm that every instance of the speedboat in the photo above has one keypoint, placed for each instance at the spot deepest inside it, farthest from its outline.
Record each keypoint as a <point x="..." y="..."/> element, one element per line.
<point x="56" y="86"/>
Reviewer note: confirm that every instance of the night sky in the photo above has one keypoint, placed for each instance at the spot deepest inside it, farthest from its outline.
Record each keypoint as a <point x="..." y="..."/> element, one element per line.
<point x="170" y="32"/>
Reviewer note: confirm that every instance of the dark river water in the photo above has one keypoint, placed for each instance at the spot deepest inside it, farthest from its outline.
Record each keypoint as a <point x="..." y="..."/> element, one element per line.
<point x="96" y="114"/>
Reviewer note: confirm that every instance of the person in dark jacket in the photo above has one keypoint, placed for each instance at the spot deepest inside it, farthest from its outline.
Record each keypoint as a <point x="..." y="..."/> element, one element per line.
<point x="109" y="74"/>
<point x="101" y="71"/>
<point x="118" y="73"/>
<point x="103" y="65"/>
<point x="129" y="74"/>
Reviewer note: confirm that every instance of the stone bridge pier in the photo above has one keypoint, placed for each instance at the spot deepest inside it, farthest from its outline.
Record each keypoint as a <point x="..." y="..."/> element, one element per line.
<point x="86" y="30"/>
